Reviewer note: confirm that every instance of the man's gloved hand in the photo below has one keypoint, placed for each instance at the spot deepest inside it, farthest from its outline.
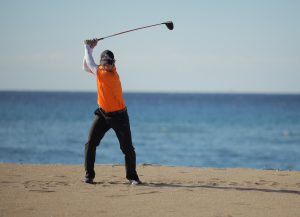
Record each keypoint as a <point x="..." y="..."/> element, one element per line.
<point x="92" y="43"/>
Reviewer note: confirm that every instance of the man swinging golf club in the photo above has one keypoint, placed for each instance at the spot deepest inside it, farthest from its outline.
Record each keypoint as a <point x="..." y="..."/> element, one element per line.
<point x="112" y="113"/>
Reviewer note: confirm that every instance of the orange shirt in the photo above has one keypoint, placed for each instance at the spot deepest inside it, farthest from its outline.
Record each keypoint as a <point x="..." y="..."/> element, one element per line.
<point x="110" y="96"/>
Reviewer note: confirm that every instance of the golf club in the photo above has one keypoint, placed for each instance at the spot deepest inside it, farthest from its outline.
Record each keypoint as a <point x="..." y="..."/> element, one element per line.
<point x="169" y="25"/>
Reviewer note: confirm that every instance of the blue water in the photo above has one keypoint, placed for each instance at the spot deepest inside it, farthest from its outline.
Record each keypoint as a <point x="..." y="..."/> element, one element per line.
<point x="205" y="130"/>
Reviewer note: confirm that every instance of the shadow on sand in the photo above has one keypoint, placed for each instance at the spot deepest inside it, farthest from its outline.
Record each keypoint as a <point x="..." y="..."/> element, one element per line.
<point x="177" y="185"/>
<point x="170" y="185"/>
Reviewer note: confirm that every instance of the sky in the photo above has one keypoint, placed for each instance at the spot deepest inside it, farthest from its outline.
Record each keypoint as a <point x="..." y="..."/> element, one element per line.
<point x="216" y="46"/>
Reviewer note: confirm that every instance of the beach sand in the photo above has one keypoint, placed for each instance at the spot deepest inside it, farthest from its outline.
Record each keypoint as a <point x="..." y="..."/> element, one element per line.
<point x="58" y="190"/>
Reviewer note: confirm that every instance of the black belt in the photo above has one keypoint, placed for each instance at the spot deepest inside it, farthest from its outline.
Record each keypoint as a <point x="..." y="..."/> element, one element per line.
<point x="113" y="113"/>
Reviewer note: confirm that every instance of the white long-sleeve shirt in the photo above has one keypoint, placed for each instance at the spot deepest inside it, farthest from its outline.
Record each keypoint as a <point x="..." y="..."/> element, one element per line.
<point x="89" y="64"/>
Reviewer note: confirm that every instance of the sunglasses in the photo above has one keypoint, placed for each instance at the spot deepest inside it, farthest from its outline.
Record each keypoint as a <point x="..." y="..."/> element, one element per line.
<point x="108" y="62"/>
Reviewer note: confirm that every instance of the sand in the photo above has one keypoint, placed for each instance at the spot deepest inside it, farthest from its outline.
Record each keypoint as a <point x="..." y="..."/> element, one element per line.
<point x="58" y="190"/>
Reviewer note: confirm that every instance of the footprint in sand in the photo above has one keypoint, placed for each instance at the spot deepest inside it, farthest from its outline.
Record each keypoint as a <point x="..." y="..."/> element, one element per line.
<point x="113" y="182"/>
<point x="261" y="182"/>
<point x="43" y="186"/>
<point x="212" y="183"/>
<point x="149" y="192"/>
<point x="215" y="181"/>
<point x="187" y="189"/>
<point x="233" y="184"/>
<point x="274" y="184"/>
<point x="117" y="195"/>
<point x="248" y="183"/>
<point x="60" y="176"/>
<point x="7" y="182"/>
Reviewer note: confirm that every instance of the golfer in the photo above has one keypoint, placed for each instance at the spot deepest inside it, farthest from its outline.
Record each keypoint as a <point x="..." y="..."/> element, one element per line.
<point x="111" y="113"/>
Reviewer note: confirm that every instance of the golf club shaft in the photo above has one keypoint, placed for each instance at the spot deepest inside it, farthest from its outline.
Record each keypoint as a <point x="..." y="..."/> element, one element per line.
<point x="98" y="39"/>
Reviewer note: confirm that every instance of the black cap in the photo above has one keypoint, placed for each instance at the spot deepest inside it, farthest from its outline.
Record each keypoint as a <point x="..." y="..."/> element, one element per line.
<point x="107" y="57"/>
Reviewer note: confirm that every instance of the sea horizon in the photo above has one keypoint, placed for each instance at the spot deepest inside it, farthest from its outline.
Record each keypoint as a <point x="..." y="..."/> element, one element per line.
<point x="158" y="92"/>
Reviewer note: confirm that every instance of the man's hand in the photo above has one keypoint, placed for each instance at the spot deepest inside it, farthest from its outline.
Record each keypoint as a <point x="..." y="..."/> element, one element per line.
<point x="92" y="43"/>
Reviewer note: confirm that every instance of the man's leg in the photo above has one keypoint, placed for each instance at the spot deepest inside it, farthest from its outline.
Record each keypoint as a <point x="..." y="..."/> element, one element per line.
<point x="122" y="128"/>
<point x="97" y="131"/>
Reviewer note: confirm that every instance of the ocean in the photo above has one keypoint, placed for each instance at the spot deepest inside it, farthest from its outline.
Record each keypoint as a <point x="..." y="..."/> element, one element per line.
<point x="259" y="131"/>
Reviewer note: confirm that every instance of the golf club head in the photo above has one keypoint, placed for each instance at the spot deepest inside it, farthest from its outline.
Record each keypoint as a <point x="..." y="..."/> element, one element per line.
<point x="170" y="25"/>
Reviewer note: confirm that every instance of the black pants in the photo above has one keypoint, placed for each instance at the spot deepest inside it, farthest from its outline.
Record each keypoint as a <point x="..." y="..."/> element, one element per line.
<point x="119" y="122"/>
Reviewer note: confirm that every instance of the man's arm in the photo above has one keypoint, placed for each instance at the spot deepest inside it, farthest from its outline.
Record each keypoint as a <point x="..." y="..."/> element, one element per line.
<point x="85" y="67"/>
<point x="89" y="64"/>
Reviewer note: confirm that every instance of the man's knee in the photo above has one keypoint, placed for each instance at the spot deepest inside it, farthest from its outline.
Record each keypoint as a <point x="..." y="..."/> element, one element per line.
<point x="127" y="149"/>
<point x="91" y="144"/>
